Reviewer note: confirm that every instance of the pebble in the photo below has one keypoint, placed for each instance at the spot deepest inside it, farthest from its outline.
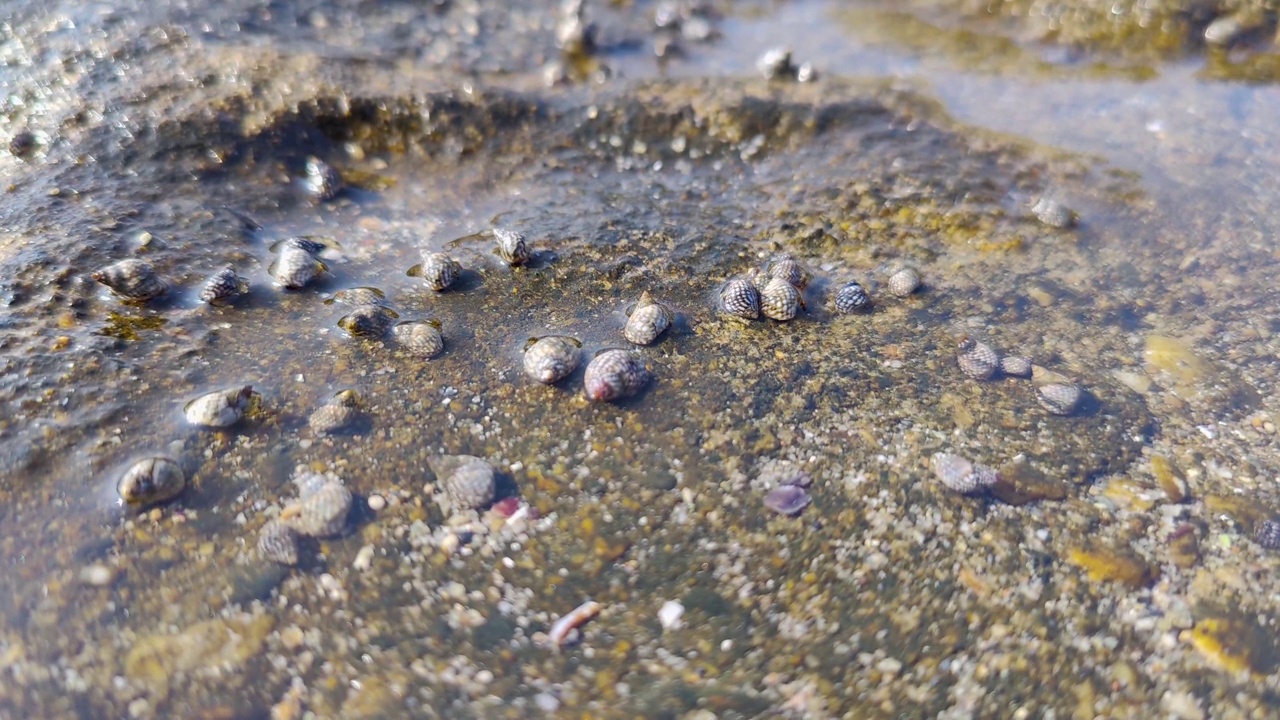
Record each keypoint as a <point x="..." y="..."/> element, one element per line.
<point x="377" y="502"/>
<point x="98" y="575"/>
<point x="788" y="500"/>
<point x="364" y="559"/>
<point x="670" y="615"/>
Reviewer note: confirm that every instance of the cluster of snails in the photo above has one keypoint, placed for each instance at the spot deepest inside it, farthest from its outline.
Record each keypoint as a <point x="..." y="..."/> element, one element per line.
<point x="776" y="290"/>
<point x="980" y="361"/>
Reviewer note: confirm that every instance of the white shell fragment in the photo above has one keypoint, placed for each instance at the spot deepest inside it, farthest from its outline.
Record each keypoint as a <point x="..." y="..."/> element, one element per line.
<point x="670" y="615"/>
<point x="560" y="629"/>
<point x="219" y="409"/>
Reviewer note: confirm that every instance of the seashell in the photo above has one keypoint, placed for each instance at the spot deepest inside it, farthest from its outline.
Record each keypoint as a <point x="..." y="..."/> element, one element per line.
<point x="779" y="300"/>
<point x="218" y="409"/>
<point x="368" y="321"/>
<point x="904" y="281"/>
<point x="323" y="508"/>
<point x="961" y="475"/>
<point x="558" y="634"/>
<point x="1016" y="366"/>
<point x="787" y="500"/>
<point x="1053" y="213"/>
<point x="223" y="287"/>
<point x="308" y="245"/>
<point x="321" y="180"/>
<point x="552" y="358"/>
<point x="278" y="542"/>
<point x="357" y="296"/>
<point x="740" y="298"/>
<point x="1059" y="398"/>
<point x="851" y="299"/>
<point x="438" y="270"/>
<point x="336" y="414"/>
<point x="420" y="337"/>
<point x="1268" y="534"/>
<point x="648" y="320"/>
<point x="786" y="267"/>
<point x="132" y="279"/>
<point x="151" y="480"/>
<point x="977" y="360"/>
<point x="512" y="247"/>
<point x="776" y="64"/>
<point x="294" y="267"/>
<point x="615" y="374"/>
<point x="467" y="480"/>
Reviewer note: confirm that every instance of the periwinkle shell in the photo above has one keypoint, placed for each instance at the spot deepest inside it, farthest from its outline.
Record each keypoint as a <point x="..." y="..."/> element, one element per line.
<point x="151" y="480"/>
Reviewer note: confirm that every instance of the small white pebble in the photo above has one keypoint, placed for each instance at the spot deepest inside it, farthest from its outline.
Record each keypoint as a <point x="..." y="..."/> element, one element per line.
<point x="97" y="574"/>
<point x="377" y="502"/>
<point x="484" y="677"/>
<point x="364" y="559"/>
<point x="726" y="645"/>
<point x="669" y="615"/>
<point x="546" y="702"/>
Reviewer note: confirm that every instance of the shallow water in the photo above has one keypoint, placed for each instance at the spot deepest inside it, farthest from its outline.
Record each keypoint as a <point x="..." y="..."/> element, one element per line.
<point x="922" y="141"/>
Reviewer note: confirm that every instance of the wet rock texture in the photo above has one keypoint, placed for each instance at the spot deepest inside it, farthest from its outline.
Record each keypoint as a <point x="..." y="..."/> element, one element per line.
<point x="946" y="604"/>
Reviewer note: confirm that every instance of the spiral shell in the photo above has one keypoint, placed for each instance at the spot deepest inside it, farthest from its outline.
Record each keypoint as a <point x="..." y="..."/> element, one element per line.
<point x="1268" y="534"/>
<point x="278" y="543"/>
<point x="740" y="298"/>
<point x="648" y="320"/>
<point x="221" y="408"/>
<point x="779" y="300"/>
<point x="512" y="247"/>
<point x="1053" y="213"/>
<point x="851" y="299"/>
<point x="977" y="360"/>
<point x="552" y="358"/>
<point x="1015" y="366"/>
<point x="615" y="374"/>
<point x="151" y="480"/>
<point x="368" y="321"/>
<point x="223" y="286"/>
<point x="132" y="279"/>
<point x="357" y="296"/>
<point x="904" y="281"/>
<point x="961" y="475"/>
<point x="308" y="245"/>
<point x="467" y="481"/>
<point x="1060" y="398"/>
<point x="321" y="180"/>
<point x="323" y="508"/>
<point x="420" y="337"/>
<point x="439" y="271"/>
<point x="294" y="267"/>
<point x="339" y="412"/>
<point x="785" y="267"/>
